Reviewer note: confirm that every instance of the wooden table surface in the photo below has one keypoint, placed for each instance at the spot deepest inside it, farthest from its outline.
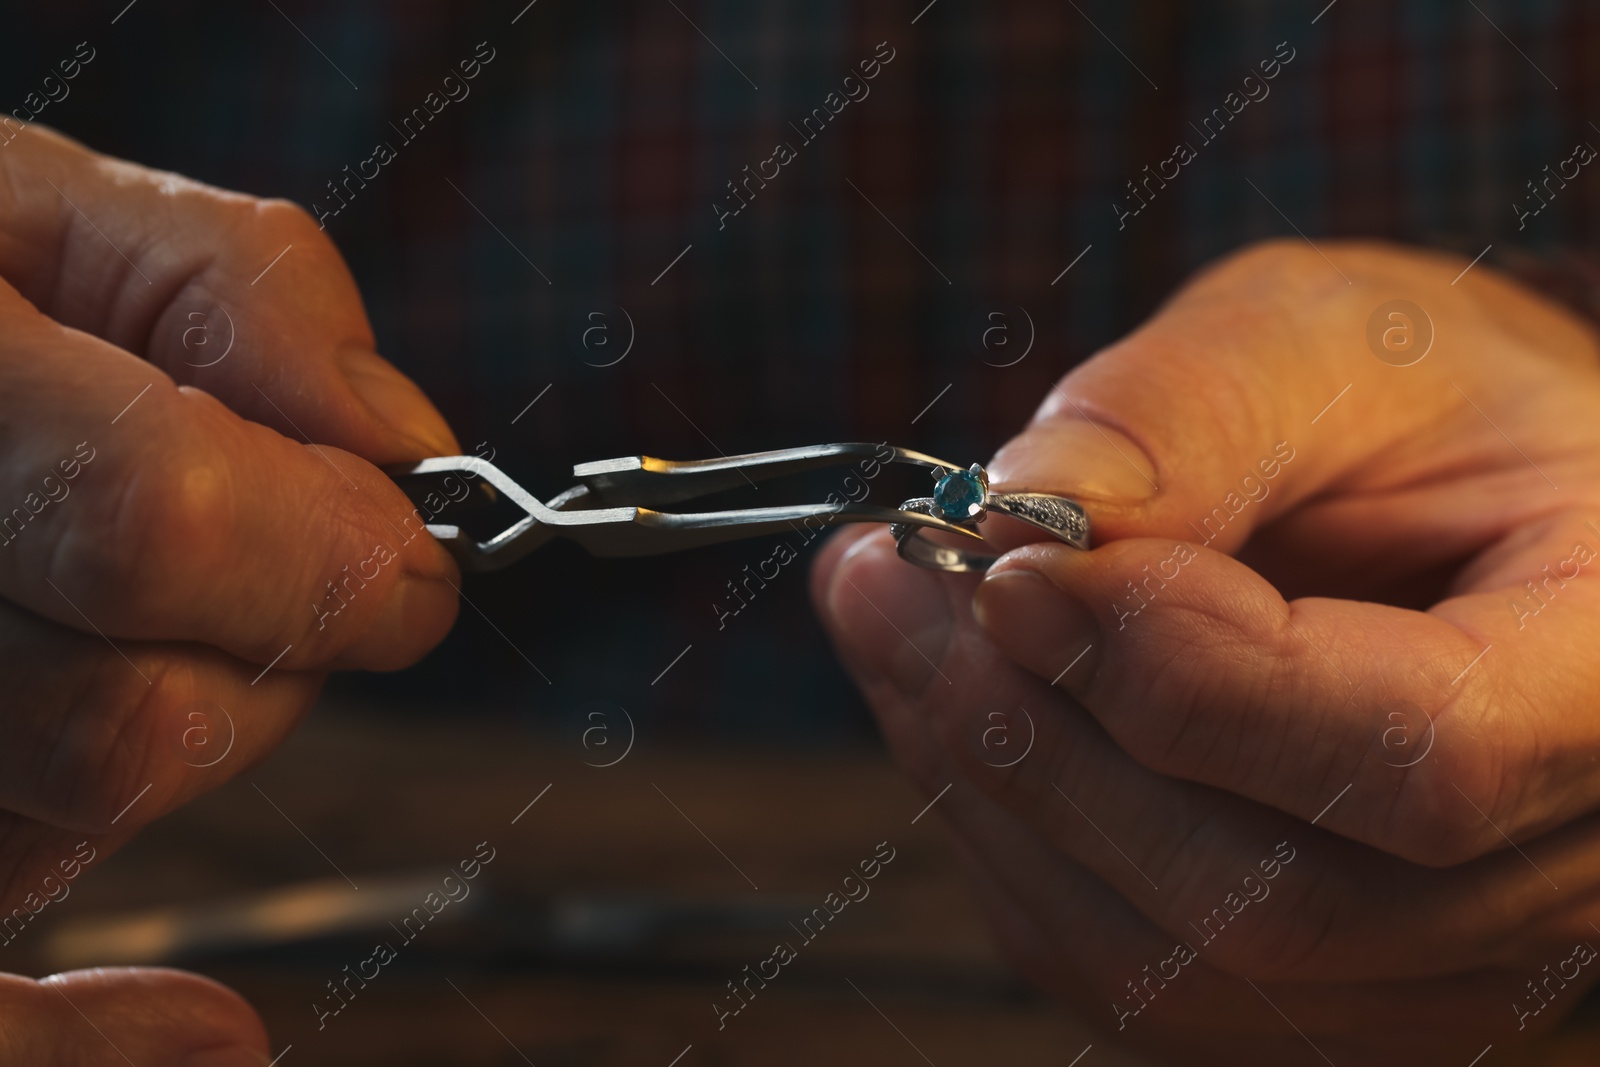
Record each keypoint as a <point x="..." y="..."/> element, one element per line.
<point x="906" y="977"/>
<point x="910" y="967"/>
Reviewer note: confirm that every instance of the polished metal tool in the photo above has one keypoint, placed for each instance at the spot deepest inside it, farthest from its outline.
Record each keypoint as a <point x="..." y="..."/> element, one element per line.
<point x="614" y="508"/>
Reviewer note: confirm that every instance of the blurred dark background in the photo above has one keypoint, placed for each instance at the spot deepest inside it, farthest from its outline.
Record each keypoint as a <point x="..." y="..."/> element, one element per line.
<point x="857" y="284"/>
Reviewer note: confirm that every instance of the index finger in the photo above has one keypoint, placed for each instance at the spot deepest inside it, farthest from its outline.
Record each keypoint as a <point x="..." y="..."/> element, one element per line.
<point x="1425" y="734"/>
<point x="144" y="510"/>
<point x="244" y="297"/>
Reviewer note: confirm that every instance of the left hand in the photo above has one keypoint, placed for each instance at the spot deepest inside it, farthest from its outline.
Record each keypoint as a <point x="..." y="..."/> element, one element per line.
<point x="1247" y="825"/>
<point x="168" y="617"/>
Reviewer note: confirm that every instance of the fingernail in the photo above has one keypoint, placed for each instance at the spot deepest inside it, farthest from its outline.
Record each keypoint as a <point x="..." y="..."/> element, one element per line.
<point x="234" y="1056"/>
<point x="397" y="402"/>
<point x="1038" y="625"/>
<point x="1076" y="458"/>
<point x="894" y="618"/>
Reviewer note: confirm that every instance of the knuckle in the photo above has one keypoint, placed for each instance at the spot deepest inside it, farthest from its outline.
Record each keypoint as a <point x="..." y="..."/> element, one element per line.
<point x="1423" y="823"/>
<point x="1292" y="938"/>
<point x="39" y="869"/>
<point x="993" y="746"/>
<point x="285" y="219"/>
<point x="1176" y="864"/>
<point x="1181" y="737"/>
<point x="1249" y="909"/>
<point x="276" y="223"/>
<point x="268" y="231"/>
<point x="922" y="762"/>
<point x="1269" y="265"/>
<point x="1273" y="253"/>
<point x="161" y="520"/>
<point x="111" y="741"/>
<point x="1286" y="280"/>
<point x="1452" y="809"/>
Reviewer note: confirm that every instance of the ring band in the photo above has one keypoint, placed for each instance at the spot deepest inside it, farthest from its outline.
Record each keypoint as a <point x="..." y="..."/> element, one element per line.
<point x="964" y="497"/>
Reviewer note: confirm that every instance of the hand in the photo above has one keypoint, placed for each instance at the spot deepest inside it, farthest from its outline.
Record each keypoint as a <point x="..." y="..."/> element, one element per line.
<point x="189" y="427"/>
<point x="1152" y="858"/>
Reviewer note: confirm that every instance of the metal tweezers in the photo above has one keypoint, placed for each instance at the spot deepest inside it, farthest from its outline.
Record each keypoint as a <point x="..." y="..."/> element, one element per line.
<point x="612" y="511"/>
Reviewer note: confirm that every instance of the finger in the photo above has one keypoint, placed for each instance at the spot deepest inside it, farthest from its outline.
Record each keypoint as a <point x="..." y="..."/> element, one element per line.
<point x="1084" y="944"/>
<point x="1161" y="426"/>
<point x="190" y="277"/>
<point x="1200" y="670"/>
<point x="152" y="512"/>
<point x="1225" y="412"/>
<point x="101" y="739"/>
<point x="949" y="705"/>
<point x="1188" y="857"/>
<point x="1084" y="937"/>
<point x="1226" y="402"/>
<point x="115" y="1016"/>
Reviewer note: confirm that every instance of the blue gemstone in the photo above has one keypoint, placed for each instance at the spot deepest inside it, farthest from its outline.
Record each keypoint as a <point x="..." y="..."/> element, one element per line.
<point x="959" y="496"/>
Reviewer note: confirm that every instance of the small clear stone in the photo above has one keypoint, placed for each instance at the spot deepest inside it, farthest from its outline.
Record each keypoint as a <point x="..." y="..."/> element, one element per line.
<point x="959" y="496"/>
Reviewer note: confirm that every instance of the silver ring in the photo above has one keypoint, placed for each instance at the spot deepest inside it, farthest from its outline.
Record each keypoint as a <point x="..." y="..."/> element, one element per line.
<point x="963" y="497"/>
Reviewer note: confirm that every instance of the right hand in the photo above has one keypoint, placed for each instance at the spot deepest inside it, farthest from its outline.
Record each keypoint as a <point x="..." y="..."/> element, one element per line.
<point x="1249" y="667"/>
<point x="170" y="521"/>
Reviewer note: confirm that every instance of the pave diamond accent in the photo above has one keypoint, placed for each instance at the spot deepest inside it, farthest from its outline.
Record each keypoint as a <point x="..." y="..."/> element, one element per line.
<point x="1049" y="511"/>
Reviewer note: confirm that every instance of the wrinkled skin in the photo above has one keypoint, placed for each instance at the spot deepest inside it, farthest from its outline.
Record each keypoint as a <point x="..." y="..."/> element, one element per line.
<point x="1211" y="720"/>
<point x="185" y="510"/>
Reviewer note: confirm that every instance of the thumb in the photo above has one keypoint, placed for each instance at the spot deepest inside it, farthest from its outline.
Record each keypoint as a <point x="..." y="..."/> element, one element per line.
<point x="1197" y="425"/>
<point x="110" y="1017"/>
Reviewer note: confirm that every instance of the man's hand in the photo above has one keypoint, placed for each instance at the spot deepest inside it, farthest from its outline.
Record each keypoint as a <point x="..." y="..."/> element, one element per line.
<point x="1246" y="825"/>
<point x="191" y="411"/>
